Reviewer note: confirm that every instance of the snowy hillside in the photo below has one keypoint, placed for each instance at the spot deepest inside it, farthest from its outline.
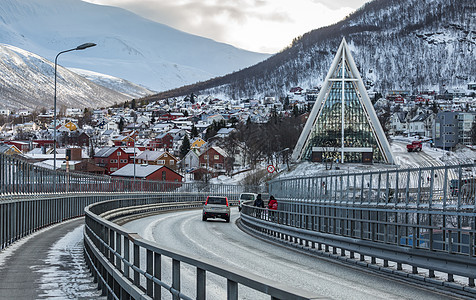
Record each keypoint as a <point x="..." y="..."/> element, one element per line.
<point x="128" y="46"/>
<point x="27" y="81"/>
<point x="396" y="44"/>
<point x="120" y="85"/>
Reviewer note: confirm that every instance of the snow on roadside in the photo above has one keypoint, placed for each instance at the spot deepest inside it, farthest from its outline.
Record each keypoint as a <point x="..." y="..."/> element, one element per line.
<point x="65" y="274"/>
<point x="10" y="250"/>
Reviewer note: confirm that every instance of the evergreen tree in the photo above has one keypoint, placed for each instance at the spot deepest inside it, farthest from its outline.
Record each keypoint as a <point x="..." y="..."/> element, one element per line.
<point x="91" y="149"/>
<point x="192" y="98"/>
<point x="185" y="147"/>
<point x="121" y="124"/>
<point x="133" y="104"/>
<point x="295" y="111"/>
<point x="194" y="131"/>
<point x="286" y="103"/>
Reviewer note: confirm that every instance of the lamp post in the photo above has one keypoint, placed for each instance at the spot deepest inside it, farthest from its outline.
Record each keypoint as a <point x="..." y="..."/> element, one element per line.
<point x="80" y="47"/>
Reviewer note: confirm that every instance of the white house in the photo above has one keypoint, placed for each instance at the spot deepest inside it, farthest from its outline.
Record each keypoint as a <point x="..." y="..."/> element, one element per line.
<point x="421" y="125"/>
<point x="5" y="112"/>
<point x="190" y="160"/>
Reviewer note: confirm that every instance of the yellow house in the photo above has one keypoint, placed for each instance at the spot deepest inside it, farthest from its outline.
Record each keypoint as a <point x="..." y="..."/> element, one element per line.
<point x="9" y="149"/>
<point x="71" y="126"/>
<point x="162" y="158"/>
<point x="197" y="143"/>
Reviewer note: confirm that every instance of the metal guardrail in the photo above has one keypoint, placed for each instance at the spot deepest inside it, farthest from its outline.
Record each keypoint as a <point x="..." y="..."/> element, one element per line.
<point x="127" y="265"/>
<point x="18" y="177"/>
<point x="392" y="216"/>
<point x="420" y="215"/>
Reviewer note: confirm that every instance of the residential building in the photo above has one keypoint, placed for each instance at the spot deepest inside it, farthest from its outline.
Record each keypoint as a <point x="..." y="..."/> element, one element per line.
<point x="398" y="123"/>
<point x="9" y="149"/>
<point x="162" y="141"/>
<point x="191" y="160"/>
<point x="197" y="143"/>
<point x="213" y="157"/>
<point x="161" y="158"/>
<point x="465" y="127"/>
<point x="111" y="158"/>
<point x="446" y="130"/>
<point x="148" y="172"/>
<point x="421" y="125"/>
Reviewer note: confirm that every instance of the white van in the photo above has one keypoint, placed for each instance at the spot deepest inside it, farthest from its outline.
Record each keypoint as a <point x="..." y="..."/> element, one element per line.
<point x="247" y="197"/>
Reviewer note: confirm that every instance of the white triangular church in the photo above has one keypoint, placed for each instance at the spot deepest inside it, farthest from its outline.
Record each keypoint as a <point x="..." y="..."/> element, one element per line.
<point x="343" y="126"/>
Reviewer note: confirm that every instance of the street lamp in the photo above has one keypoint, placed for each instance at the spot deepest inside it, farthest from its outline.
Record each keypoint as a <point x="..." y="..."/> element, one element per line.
<point x="80" y="47"/>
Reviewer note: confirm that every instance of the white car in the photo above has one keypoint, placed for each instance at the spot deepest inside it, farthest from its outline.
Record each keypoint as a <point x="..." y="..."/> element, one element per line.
<point x="245" y="197"/>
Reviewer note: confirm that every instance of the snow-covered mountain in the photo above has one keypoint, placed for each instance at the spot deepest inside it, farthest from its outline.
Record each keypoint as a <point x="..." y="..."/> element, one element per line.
<point x="120" y="85"/>
<point x="27" y="82"/>
<point x="397" y="44"/>
<point x="128" y="46"/>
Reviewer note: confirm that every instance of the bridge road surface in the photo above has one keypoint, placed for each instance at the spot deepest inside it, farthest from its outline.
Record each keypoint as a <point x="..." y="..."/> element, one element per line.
<point x="226" y="244"/>
<point x="48" y="264"/>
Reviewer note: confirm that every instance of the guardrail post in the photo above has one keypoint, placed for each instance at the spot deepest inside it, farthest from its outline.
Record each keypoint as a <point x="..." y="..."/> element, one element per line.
<point x="118" y="250"/>
<point x="111" y="244"/>
<point x="201" y="284"/>
<point x="158" y="275"/>
<point x="136" y="264"/>
<point x="232" y="290"/>
<point x="176" y="277"/>
<point x="150" y="270"/>
<point x="126" y="256"/>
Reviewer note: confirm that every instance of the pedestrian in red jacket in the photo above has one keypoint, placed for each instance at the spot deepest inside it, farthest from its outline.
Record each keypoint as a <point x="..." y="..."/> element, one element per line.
<point x="272" y="207"/>
<point x="272" y="203"/>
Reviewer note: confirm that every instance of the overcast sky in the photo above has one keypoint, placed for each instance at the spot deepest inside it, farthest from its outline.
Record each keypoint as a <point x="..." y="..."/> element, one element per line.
<point x="256" y="25"/>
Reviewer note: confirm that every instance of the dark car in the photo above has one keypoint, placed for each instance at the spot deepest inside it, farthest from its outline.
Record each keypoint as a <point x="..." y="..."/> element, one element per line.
<point x="216" y="207"/>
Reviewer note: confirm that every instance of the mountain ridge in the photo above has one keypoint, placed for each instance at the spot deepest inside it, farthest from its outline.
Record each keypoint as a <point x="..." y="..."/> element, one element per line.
<point x="26" y="78"/>
<point x="129" y="46"/>
<point x="394" y="44"/>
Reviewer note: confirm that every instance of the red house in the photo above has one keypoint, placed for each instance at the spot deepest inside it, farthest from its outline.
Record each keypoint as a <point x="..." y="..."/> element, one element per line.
<point x="213" y="157"/>
<point x="151" y="172"/>
<point x="111" y="158"/>
<point x="23" y="146"/>
<point x="162" y="141"/>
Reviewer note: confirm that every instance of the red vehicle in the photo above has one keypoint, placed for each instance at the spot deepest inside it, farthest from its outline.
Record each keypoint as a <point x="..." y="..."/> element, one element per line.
<point x="415" y="146"/>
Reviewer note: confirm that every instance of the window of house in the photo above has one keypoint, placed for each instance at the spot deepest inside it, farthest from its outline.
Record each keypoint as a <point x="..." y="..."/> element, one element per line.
<point x="205" y="157"/>
<point x="171" y="162"/>
<point x="124" y="161"/>
<point x="165" y="155"/>
<point x="113" y="169"/>
<point x="164" y="174"/>
<point x="119" y="153"/>
<point x="161" y="162"/>
<point x="113" y="161"/>
<point x="218" y="166"/>
<point x="216" y="157"/>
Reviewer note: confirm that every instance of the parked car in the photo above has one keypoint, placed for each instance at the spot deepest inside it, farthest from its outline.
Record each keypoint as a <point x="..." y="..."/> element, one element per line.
<point x="244" y="197"/>
<point x="216" y="207"/>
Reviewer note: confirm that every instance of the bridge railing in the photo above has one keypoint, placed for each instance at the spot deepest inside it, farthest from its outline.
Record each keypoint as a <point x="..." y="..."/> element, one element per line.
<point x="33" y="197"/>
<point x="18" y="177"/>
<point x="128" y="266"/>
<point x="439" y="187"/>
<point x="422" y="218"/>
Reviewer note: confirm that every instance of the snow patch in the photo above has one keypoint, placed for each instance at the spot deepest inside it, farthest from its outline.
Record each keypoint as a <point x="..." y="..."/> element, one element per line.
<point x="66" y="275"/>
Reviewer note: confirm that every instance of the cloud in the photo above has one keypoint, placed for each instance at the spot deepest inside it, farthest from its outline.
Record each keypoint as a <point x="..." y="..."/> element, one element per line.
<point x="257" y="25"/>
